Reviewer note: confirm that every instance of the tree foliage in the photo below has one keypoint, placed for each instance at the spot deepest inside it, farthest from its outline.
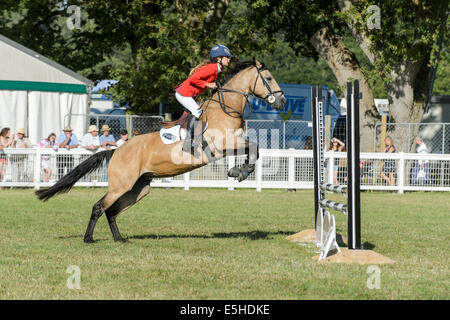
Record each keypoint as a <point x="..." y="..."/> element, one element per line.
<point x="150" y="45"/>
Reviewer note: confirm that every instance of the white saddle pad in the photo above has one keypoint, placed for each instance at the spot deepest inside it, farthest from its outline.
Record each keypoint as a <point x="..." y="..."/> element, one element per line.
<point x="172" y="135"/>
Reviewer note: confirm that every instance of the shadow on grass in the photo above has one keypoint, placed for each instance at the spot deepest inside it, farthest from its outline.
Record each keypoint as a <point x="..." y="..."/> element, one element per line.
<point x="252" y="235"/>
<point x="341" y="242"/>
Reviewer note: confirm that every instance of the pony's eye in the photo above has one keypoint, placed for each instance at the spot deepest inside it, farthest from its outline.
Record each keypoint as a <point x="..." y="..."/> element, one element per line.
<point x="269" y="79"/>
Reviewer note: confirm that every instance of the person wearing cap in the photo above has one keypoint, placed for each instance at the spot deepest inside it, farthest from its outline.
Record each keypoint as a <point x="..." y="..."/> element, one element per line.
<point x="91" y="140"/>
<point x="19" y="161"/>
<point x="66" y="140"/>
<point x="107" y="140"/>
<point x="203" y="76"/>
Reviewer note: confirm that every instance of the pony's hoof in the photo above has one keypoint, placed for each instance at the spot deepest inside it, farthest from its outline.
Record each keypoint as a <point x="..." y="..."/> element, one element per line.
<point x="242" y="175"/>
<point x="120" y="240"/>
<point x="88" y="240"/>
<point x="234" y="172"/>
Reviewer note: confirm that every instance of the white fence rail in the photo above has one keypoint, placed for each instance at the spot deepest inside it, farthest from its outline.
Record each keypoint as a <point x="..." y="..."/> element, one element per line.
<point x="285" y="169"/>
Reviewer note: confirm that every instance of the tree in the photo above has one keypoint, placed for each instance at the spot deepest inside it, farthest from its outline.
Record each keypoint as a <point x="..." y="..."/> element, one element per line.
<point x="401" y="51"/>
<point x="149" y="46"/>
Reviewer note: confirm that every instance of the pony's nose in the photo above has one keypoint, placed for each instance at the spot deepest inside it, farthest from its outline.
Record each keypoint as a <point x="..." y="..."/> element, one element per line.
<point x="280" y="103"/>
<point x="283" y="101"/>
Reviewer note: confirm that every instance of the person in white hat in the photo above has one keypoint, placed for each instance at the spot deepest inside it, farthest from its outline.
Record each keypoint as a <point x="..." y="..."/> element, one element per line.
<point x="107" y="140"/>
<point x="21" y="141"/>
<point x="91" y="139"/>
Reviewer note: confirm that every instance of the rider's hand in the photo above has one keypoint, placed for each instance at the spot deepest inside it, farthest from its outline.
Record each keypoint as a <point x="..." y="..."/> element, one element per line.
<point x="212" y="85"/>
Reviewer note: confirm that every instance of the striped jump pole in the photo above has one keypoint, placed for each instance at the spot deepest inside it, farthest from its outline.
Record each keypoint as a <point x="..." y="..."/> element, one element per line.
<point x="352" y="189"/>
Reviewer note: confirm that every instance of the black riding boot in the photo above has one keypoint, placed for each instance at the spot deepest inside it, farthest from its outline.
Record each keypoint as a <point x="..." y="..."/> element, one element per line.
<point x="189" y="143"/>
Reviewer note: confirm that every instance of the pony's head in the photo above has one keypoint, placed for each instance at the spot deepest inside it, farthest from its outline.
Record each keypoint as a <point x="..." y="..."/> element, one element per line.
<point x="257" y="80"/>
<point x="266" y="87"/>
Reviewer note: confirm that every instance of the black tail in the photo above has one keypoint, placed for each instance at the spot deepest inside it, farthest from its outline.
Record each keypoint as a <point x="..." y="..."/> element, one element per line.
<point x="66" y="183"/>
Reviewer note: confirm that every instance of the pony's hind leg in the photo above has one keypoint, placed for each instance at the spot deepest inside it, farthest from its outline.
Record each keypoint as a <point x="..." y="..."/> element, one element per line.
<point x="97" y="211"/>
<point x="140" y="189"/>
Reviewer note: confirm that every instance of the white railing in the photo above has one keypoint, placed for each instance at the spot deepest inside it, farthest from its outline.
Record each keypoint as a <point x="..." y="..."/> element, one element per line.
<point x="285" y="169"/>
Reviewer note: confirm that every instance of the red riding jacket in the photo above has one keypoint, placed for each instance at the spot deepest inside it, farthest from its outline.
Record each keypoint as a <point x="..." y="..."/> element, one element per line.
<point x="196" y="83"/>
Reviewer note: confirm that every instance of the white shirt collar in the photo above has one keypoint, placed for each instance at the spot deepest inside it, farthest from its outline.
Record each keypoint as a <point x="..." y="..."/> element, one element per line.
<point x="218" y="67"/>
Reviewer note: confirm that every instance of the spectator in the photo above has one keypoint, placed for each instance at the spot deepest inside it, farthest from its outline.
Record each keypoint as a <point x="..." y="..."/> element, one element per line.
<point x="123" y="138"/>
<point x="21" y="141"/>
<point x="66" y="140"/>
<point x="50" y="142"/>
<point x="421" y="171"/>
<point x="336" y="146"/>
<point x="19" y="161"/>
<point x="107" y="140"/>
<point x="5" y="142"/>
<point x="387" y="172"/>
<point x="136" y="132"/>
<point x="308" y="143"/>
<point x="91" y="140"/>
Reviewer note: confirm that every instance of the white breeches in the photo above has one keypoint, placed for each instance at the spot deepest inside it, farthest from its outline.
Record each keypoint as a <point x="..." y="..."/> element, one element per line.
<point x="190" y="104"/>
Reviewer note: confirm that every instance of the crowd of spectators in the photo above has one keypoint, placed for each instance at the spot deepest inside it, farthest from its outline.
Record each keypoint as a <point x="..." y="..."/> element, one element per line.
<point x="96" y="140"/>
<point x="64" y="161"/>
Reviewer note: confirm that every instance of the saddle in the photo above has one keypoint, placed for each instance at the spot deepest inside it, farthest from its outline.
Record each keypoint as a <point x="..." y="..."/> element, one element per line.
<point x="182" y="122"/>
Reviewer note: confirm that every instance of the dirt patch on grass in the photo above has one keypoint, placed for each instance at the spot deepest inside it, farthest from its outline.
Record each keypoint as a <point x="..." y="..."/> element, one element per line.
<point x="346" y="255"/>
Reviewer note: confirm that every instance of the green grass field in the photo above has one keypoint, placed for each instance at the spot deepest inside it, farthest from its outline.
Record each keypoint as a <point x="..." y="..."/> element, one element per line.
<point x="218" y="244"/>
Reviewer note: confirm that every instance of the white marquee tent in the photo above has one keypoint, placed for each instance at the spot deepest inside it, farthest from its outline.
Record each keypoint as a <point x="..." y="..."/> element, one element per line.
<point x="39" y="94"/>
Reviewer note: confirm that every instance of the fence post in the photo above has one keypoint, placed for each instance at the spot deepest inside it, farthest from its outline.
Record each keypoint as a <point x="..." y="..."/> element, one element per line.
<point x="37" y="168"/>
<point x="258" y="173"/>
<point x="401" y="173"/>
<point x="330" y="165"/>
<point x="231" y="163"/>
<point x="291" y="171"/>
<point x="186" y="181"/>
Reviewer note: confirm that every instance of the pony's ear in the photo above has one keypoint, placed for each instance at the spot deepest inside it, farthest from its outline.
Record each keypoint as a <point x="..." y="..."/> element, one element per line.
<point x="257" y="63"/>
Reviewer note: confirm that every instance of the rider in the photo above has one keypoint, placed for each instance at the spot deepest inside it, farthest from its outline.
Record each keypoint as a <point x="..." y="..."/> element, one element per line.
<point x="201" y="77"/>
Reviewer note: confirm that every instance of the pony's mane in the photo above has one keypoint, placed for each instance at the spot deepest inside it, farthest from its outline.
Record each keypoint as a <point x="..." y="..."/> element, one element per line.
<point x="236" y="67"/>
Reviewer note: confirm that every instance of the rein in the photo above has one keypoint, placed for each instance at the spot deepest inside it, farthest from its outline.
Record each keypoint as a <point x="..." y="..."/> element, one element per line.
<point x="234" y="113"/>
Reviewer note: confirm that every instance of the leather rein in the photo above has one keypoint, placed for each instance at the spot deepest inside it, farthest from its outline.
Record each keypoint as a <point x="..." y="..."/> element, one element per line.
<point x="230" y="111"/>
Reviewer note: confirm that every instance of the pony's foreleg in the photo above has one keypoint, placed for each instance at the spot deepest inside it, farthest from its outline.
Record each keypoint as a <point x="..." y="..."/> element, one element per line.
<point x="252" y="154"/>
<point x="248" y="167"/>
<point x="97" y="211"/>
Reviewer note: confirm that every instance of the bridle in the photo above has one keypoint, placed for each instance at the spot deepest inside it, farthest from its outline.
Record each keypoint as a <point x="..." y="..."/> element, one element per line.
<point x="230" y="111"/>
